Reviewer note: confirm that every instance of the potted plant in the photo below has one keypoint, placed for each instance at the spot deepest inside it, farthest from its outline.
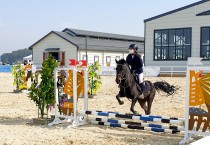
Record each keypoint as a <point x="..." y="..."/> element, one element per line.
<point x="43" y="93"/>
<point x="94" y="80"/>
<point x="18" y="73"/>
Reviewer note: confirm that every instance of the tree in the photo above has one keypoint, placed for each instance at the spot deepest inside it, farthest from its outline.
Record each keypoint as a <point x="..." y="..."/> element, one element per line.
<point x="43" y="93"/>
<point x="94" y="80"/>
<point x="18" y="73"/>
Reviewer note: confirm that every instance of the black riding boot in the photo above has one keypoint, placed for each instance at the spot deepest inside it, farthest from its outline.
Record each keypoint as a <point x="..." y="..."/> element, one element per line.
<point x="141" y="89"/>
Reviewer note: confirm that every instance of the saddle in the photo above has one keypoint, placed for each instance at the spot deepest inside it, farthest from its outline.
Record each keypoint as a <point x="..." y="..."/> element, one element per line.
<point x="136" y="77"/>
<point x="143" y="87"/>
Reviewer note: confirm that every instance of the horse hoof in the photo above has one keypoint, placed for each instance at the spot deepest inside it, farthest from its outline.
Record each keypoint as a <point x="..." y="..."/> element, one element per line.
<point x="121" y="103"/>
<point x="135" y="113"/>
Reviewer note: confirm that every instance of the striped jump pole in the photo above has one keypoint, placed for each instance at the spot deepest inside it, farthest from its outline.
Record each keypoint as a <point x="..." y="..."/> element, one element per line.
<point x="163" y="117"/>
<point x="178" y="128"/>
<point x="135" y="117"/>
<point x="154" y="129"/>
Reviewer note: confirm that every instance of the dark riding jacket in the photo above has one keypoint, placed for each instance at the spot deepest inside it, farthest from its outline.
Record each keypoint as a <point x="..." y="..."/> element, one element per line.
<point x="135" y="62"/>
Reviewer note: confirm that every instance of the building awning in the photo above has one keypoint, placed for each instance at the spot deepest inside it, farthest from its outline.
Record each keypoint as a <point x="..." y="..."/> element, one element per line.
<point x="27" y="57"/>
<point x="52" y="49"/>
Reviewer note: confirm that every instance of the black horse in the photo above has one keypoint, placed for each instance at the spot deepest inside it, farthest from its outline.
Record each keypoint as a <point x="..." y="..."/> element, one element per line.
<point x="129" y="87"/>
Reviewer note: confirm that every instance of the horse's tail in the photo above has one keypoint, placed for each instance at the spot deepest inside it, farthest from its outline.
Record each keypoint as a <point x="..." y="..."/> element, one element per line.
<point x="165" y="87"/>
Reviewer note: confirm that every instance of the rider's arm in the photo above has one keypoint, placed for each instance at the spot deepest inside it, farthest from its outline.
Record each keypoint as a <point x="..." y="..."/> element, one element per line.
<point x="129" y="59"/>
<point x="140" y="61"/>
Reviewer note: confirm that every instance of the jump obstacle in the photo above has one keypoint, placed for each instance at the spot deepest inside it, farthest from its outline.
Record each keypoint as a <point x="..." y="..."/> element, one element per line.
<point x="75" y="85"/>
<point x="171" y="120"/>
<point x="137" y="125"/>
<point x="197" y="120"/>
<point x="140" y="124"/>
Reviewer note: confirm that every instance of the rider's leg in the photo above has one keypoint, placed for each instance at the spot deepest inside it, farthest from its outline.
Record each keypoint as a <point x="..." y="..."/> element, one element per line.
<point x="141" y="80"/>
<point x="141" y="85"/>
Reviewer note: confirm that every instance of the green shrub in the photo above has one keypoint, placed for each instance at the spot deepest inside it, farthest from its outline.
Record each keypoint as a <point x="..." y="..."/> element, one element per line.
<point x="94" y="80"/>
<point x="18" y="73"/>
<point x="43" y="93"/>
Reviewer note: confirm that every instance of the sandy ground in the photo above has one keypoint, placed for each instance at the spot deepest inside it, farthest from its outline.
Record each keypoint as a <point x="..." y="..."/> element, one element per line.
<point x="17" y="111"/>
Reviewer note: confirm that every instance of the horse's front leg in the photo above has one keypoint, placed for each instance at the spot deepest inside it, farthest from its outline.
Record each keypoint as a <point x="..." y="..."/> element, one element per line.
<point x="118" y="99"/>
<point x="134" y="100"/>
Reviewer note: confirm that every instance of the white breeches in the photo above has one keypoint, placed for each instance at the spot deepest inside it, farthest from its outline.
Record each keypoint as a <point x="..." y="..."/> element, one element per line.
<point x="141" y="78"/>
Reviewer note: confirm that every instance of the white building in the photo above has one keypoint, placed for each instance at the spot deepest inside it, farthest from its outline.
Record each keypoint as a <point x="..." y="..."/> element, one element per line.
<point x="172" y="37"/>
<point x="71" y="44"/>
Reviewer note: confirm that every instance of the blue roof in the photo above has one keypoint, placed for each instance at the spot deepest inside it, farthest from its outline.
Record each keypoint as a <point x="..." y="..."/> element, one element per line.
<point x="176" y="10"/>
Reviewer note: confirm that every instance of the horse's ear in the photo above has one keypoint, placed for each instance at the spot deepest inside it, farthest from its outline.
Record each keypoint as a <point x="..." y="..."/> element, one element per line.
<point x="116" y="61"/>
<point x="124" y="62"/>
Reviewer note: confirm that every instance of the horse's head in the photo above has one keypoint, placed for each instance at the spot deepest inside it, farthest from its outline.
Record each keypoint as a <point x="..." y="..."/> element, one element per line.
<point x="121" y="70"/>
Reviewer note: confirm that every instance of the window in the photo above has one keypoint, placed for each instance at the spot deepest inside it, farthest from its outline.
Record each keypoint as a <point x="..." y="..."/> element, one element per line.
<point x="96" y="58"/>
<point x="55" y="55"/>
<point x="117" y="57"/>
<point x="84" y="57"/>
<point x="172" y="44"/>
<point x="205" y="42"/>
<point x="108" y="59"/>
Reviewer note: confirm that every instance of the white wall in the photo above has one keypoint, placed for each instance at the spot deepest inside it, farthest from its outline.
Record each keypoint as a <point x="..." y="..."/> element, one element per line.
<point x="102" y="56"/>
<point x="181" y="19"/>
<point x="53" y="41"/>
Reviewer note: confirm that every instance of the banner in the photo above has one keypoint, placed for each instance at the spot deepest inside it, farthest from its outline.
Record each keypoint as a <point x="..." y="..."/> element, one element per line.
<point x="5" y="68"/>
<point x="149" y="71"/>
<point x="107" y="71"/>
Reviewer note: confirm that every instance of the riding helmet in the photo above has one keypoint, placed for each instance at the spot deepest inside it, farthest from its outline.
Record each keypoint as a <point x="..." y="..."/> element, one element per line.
<point x="133" y="46"/>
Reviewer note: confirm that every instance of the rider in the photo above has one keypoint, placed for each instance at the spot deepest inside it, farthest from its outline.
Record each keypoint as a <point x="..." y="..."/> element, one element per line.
<point x="136" y="64"/>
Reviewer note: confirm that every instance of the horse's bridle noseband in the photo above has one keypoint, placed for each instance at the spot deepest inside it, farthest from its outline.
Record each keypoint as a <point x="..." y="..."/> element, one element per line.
<point x="123" y="78"/>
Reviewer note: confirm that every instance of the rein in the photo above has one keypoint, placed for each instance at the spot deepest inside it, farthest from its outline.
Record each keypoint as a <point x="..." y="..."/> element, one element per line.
<point x="123" y="78"/>
<point x="124" y="86"/>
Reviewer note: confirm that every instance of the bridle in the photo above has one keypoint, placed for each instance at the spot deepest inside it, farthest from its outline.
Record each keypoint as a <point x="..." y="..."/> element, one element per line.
<point x="123" y="78"/>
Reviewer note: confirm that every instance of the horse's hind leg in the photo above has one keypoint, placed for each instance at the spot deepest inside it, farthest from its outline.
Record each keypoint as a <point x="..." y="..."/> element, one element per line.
<point x="143" y="105"/>
<point x="118" y="99"/>
<point x="149" y="101"/>
<point x="149" y="104"/>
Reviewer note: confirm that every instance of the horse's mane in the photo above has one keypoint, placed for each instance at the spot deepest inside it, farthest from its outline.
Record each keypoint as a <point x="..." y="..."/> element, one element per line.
<point x="121" y="61"/>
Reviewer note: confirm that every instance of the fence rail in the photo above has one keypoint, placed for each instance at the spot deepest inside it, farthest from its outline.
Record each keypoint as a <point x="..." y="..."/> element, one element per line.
<point x="173" y="70"/>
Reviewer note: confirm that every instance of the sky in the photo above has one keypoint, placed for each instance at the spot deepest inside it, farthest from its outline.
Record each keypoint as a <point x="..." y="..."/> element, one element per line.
<point x="23" y="22"/>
